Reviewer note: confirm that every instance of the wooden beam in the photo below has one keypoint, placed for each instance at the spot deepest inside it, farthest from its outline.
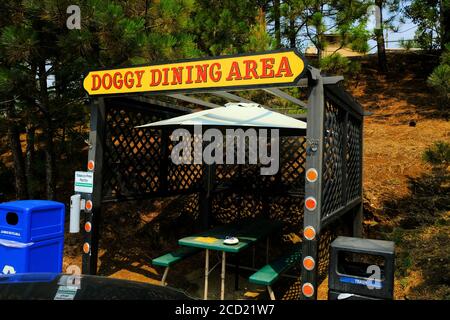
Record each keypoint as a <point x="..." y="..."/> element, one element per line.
<point x="281" y="94"/>
<point x="230" y="96"/>
<point x="332" y="80"/>
<point x="161" y="103"/>
<point x="193" y="100"/>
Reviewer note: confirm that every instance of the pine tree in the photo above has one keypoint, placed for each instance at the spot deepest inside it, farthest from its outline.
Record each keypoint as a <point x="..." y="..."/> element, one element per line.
<point x="223" y="26"/>
<point x="433" y="20"/>
<point x="42" y="64"/>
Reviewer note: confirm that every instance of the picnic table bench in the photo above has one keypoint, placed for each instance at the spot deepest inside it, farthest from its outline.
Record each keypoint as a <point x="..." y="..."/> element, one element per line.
<point x="271" y="272"/>
<point x="172" y="258"/>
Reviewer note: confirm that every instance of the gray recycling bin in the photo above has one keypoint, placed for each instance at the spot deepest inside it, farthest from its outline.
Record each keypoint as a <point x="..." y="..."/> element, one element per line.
<point x="361" y="269"/>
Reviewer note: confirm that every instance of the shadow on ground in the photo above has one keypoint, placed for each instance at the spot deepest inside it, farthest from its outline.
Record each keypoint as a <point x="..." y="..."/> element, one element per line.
<point x="422" y="236"/>
<point x="403" y="86"/>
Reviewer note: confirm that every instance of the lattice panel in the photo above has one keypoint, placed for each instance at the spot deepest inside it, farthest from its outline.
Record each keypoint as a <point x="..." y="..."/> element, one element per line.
<point x="191" y="205"/>
<point x="292" y="161"/>
<point x="132" y="156"/>
<point x="332" y="159"/>
<point x="353" y="158"/>
<point x="183" y="176"/>
<point x="250" y="194"/>
<point x="225" y="173"/>
<point x="327" y="236"/>
<point x="289" y="210"/>
<point x="290" y="173"/>
<point x="230" y="206"/>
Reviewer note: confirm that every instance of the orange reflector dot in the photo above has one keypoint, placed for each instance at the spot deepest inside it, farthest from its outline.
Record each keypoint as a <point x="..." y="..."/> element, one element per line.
<point x="89" y="205"/>
<point x="311" y="175"/>
<point x="309" y="233"/>
<point x="308" y="289"/>
<point x="86" y="247"/>
<point x="87" y="227"/>
<point x="91" y="165"/>
<point x="309" y="263"/>
<point x="310" y="203"/>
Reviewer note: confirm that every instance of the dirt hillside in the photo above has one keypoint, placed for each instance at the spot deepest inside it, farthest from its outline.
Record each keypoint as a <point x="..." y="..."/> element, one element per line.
<point x="405" y="199"/>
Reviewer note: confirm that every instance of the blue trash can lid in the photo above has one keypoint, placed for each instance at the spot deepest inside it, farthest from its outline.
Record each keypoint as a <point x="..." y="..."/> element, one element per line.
<point x="30" y="204"/>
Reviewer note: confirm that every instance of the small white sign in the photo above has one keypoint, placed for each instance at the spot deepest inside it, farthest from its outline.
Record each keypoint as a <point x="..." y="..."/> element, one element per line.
<point x="84" y="181"/>
<point x="66" y="293"/>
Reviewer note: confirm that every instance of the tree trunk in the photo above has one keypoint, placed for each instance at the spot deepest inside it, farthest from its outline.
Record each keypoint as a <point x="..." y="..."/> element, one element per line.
<point x="29" y="160"/>
<point x="445" y="23"/>
<point x="48" y="131"/>
<point x="292" y="33"/>
<point x="16" y="150"/>
<point x="50" y="163"/>
<point x="379" y="34"/>
<point x="276" y="13"/>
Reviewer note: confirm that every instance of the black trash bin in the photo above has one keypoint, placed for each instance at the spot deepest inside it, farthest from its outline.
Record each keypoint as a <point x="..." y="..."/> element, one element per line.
<point x="361" y="269"/>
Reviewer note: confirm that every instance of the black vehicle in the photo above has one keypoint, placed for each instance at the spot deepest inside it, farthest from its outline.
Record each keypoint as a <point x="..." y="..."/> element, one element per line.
<point x="51" y="286"/>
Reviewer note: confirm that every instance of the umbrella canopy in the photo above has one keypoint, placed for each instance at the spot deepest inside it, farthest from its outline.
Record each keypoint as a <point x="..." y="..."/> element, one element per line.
<point x="234" y="115"/>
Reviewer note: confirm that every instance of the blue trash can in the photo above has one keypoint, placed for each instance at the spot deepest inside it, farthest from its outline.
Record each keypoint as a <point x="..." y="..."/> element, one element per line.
<point x="31" y="236"/>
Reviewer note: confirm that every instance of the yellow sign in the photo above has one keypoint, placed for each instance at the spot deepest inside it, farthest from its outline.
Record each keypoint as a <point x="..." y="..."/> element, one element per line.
<point x="273" y="68"/>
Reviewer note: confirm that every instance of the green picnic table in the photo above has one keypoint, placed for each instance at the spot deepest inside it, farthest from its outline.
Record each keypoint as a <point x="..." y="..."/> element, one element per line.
<point x="248" y="233"/>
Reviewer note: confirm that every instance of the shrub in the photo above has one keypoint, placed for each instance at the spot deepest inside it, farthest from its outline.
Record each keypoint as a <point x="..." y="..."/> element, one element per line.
<point x="408" y="44"/>
<point x="438" y="154"/>
<point x="335" y="64"/>
<point x="339" y="65"/>
<point x="439" y="79"/>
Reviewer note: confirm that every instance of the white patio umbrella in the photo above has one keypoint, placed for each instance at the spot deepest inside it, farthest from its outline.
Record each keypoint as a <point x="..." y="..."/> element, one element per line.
<point x="234" y="115"/>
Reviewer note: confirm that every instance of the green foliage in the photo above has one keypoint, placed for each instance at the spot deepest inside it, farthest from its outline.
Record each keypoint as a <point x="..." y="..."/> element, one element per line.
<point x="358" y="37"/>
<point x="310" y="20"/>
<point x="426" y="15"/>
<point x="440" y="80"/>
<point x="338" y="64"/>
<point x="408" y="44"/>
<point x="445" y="56"/>
<point x="335" y="64"/>
<point x="258" y="38"/>
<point x="18" y="42"/>
<point x="438" y="154"/>
<point x="223" y="26"/>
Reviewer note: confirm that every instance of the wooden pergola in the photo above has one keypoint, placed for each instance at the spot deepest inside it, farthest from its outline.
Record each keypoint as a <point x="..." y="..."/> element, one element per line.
<point x="134" y="164"/>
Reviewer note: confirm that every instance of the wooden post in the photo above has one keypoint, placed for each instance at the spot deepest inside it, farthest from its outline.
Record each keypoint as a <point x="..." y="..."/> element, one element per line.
<point x="205" y="195"/>
<point x="205" y="293"/>
<point x="222" y="277"/>
<point x="314" y="159"/>
<point x="164" y="164"/>
<point x="96" y="141"/>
